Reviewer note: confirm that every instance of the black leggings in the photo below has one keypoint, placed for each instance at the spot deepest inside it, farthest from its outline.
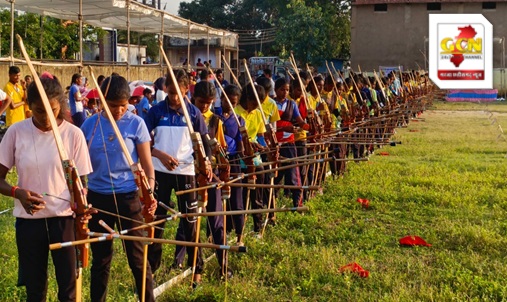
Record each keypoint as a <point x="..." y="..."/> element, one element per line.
<point x="187" y="203"/>
<point x="33" y="237"/>
<point x="126" y="205"/>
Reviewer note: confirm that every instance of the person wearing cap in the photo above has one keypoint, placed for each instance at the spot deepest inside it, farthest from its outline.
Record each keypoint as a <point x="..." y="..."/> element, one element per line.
<point x="144" y="105"/>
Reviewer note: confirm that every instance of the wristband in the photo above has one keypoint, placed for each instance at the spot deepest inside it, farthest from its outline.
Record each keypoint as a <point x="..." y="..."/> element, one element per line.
<point x="13" y="191"/>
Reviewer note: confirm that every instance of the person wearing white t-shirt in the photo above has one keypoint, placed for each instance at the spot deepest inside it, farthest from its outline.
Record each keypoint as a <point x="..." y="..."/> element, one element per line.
<point x="77" y="100"/>
<point x="41" y="220"/>
<point x="6" y="101"/>
<point x="160" y="88"/>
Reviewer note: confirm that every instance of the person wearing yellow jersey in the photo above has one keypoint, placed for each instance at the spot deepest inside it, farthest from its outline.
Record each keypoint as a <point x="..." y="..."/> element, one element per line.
<point x="268" y="104"/>
<point x="333" y="100"/>
<point x="204" y="96"/>
<point x="248" y="110"/>
<point x="319" y="104"/>
<point x="17" y="92"/>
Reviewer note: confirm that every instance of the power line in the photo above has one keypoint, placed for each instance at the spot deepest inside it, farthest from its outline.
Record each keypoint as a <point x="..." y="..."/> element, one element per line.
<point x="259" y="42"/>
<point x="258" y="39"/>
<point x="253" y="30"/>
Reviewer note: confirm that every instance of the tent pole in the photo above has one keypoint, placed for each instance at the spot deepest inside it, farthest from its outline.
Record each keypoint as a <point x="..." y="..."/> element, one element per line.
<point x="219" y="59"/>
<point x="128" y="39"/>
<point x="80" y="17"/>
<point x="237" y="58"/>
<point x="162" y="39"/>
<point x="188" y="47"/>
<point x="207" y="44"/>
<point x="41" y="34"/>
<point x="12" y="32"/>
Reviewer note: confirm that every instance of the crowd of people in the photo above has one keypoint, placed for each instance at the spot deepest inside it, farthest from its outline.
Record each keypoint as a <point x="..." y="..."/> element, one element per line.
<point x="278" y="120"/>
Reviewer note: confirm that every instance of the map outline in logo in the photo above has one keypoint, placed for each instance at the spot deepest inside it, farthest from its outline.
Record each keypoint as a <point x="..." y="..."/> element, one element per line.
<point x="460" y="48"/>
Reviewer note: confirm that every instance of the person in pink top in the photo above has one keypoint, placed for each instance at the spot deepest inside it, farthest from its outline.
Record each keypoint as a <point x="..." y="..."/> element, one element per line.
<point x="29" y="145"/>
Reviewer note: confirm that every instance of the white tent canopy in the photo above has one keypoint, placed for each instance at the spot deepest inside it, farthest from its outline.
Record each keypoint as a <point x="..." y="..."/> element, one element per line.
<point x="113" y="14"/>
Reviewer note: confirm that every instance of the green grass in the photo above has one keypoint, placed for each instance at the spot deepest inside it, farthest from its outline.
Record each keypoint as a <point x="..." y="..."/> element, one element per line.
<point x="446" y="183"/>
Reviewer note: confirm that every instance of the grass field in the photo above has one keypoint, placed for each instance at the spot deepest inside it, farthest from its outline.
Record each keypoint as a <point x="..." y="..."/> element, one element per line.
<point x="446" y="182"/>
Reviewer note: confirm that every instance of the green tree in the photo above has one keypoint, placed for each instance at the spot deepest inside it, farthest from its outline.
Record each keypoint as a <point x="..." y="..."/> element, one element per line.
<point x="314" y="30"/>
<point x="247" y="17"/>
<point x="55" y="34"/>
<point x="150" y="40"/>
<point x="308" y="35"/>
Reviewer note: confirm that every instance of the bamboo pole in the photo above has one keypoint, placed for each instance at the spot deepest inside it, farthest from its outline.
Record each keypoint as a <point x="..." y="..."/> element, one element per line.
<point x="97" y="237"/>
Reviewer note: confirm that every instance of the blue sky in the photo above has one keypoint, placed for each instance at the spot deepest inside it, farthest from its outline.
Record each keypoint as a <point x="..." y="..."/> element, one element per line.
<point x="172" y="5"/>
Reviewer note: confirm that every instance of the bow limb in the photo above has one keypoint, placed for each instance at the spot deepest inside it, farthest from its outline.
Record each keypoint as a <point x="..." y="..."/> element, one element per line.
<point x="327" y="115"/>
<point x="77" y="192"/>
<point x="230" y="71"/>
<point x="313" y="120"/>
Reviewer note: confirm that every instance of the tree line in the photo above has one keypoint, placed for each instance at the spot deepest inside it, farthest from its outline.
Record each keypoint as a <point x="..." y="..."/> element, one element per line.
<point x="314" y="30"/>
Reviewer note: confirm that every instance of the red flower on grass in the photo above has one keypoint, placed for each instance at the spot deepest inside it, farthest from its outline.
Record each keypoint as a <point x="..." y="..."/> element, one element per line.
<point x="355" y="268"/>
<point x="364" y="202"/>
<point x="413" y="240"/>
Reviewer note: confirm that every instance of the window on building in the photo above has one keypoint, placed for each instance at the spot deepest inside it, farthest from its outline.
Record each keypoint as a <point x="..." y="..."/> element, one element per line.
<point x="488" y="5"/>
<point x="434" y="6"/>
<point x="381" y="7"/>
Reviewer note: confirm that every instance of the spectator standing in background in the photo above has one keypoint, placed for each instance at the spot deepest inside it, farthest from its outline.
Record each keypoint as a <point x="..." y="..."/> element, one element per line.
<point x="76" y="101"/>
<point x="17" y="92"/>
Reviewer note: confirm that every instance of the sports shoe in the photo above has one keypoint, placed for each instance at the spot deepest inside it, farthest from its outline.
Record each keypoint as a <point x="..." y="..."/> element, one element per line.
<point x="230" y="274"/>
<point x="176" y="266"/>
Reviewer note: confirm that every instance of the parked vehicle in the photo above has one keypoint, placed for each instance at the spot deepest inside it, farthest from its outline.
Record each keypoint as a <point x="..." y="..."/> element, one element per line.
<point x="258" y="64"/>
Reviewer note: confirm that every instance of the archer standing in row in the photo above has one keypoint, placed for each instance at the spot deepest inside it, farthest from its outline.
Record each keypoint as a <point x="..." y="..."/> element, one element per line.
<point x="112" y="185"/>
<point x="290" y="117"/>
<point x="174" y="165"/>
<point x="40" y="220"/>
<point x="235" y="149"/>
<point x="204" y="97"/>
